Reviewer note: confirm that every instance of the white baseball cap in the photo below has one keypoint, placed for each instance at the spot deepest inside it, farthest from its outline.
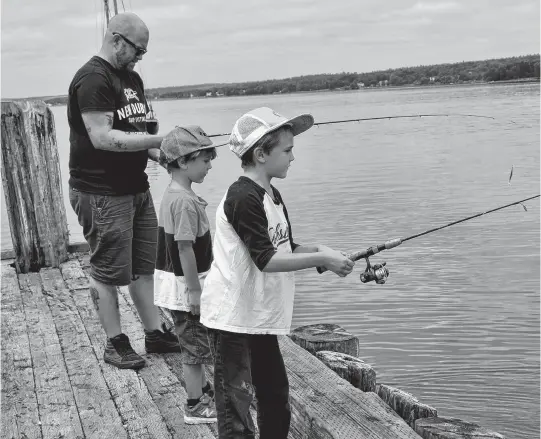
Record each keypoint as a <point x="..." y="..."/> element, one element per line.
<point x="252" y="126"/>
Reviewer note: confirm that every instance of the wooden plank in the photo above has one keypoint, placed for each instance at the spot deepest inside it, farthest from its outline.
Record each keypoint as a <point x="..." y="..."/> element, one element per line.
<point x="97" y="410"/>
<point x="139" y="413"/>
<point x="452" y="428"/>
<point x="74" y="276"/>
<point x="78" y="247"/>
<point x="20" y="414"/>
<point x="59" y="415"/>
<point x="72" y="248"/>
<point x="167" y="391"/>
<point x="7" y="254"/>
<point x="84" y="260"/>
<point x="326" y="406"/>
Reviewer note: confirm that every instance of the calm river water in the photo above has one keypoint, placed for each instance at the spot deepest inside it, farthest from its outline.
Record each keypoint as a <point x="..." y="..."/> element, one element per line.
<point x="457" y="323"/>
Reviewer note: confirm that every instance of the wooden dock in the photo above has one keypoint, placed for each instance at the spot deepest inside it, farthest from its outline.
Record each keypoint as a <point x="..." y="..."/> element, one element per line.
<point x="56" y="385"/>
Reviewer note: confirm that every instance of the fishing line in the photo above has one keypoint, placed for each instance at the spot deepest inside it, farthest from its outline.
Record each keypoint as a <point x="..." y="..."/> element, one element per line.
<point x="97" y="30"/>
<point x="468" y="218"/>
<point x="102" y="14"/>
<point x="411" y="116"/>
<point x="379" y="272"/>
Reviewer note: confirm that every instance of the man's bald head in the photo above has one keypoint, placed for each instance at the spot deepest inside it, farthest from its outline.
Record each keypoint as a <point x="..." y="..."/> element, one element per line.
<point x="125" y="41"/>
<point x="129" y="25"/>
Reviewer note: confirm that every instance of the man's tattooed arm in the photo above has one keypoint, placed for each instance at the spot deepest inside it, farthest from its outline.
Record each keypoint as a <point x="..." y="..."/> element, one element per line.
<point x="99" y="126"/>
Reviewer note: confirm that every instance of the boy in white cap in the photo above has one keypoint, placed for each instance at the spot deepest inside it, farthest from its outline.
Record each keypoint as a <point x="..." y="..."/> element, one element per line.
<point x="184" y="256"/>
<point x="248" y="294"/>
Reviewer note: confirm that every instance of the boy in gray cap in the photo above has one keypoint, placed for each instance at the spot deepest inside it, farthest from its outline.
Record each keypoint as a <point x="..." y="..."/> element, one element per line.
<point x="184" y="257"/>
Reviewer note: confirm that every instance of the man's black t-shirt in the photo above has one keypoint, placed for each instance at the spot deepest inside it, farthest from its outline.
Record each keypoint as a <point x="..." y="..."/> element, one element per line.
<point x="97" y="86"/>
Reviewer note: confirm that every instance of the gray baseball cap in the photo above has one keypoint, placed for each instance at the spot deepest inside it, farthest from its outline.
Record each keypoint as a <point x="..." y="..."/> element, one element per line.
<point x="181" y="141"/>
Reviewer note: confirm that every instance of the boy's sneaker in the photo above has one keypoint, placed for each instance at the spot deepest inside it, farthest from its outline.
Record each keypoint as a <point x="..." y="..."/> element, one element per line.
<point x="204" y="412"/>
<point x="119" y="353"/>
<point x="158" y="342"/>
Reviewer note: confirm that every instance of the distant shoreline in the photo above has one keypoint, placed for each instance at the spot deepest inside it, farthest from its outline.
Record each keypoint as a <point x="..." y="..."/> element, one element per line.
<point x="382" y="89"/>
<point x="510" y="70"/>
<point x="360" y="90"/>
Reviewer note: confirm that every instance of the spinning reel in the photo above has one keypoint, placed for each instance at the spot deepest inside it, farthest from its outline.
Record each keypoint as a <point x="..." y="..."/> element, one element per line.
<point x="377" y="272"/>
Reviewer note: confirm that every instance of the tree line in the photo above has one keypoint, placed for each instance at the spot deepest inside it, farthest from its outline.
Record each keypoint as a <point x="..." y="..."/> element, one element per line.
<point x="491" y="70"/>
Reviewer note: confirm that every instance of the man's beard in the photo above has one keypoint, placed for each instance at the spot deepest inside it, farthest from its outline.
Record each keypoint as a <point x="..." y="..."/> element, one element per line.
<point x="123" y="64"/>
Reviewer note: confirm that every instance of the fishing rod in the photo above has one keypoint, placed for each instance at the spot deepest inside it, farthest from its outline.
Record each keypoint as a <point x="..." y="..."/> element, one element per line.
<point x="362" y="119"/>
<point x="379" y="273"/>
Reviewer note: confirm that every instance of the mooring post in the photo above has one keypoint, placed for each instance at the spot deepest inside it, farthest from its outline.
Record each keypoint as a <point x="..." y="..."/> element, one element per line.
<point x="32" y="186"/>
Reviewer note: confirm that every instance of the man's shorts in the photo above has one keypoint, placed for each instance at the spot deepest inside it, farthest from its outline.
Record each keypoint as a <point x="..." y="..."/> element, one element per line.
<point x="122" y="232"/>
<point x="192" y="337"/>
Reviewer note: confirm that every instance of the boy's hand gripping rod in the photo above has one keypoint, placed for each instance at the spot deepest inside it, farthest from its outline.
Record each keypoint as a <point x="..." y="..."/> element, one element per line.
<point x="378" y="272"/>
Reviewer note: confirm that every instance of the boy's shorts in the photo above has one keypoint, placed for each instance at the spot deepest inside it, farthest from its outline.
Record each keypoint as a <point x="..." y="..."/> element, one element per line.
<point x="192" y="337"/>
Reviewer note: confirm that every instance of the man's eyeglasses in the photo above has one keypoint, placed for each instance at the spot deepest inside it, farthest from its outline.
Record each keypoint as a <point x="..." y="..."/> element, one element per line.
<point x="138" y="50"/>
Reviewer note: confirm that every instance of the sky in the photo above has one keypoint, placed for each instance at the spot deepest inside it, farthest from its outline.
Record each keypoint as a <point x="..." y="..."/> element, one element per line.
<point x="44" y="42"/>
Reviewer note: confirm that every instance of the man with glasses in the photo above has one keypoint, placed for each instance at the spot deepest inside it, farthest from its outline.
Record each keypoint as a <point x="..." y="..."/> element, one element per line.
<point x="109" y="190"/>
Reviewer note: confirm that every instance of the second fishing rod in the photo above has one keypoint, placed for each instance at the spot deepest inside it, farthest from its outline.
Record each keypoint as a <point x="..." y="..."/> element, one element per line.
<point x="402" y="116"/>
<point x="379" y="272"/>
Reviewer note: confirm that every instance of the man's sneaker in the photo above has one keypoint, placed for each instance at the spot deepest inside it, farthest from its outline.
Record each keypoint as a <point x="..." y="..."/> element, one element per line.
<point x="119" y="353"/>
<point x="204" y="412"/>
<point x="158" y="342"/>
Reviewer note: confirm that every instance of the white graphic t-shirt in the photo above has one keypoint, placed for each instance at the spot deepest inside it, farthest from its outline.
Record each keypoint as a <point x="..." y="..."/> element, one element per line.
<point x="251" y="227"/>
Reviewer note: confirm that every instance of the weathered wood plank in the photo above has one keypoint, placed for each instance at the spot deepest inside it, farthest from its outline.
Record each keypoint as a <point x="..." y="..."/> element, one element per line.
<point x="97" y="411"/>
<point x="451" y="428"/>
<point x="32" y="185"/>
<point x="72" y="248"/>
<point x="20" y="414"/>
<point x="78" y="247"/>
<point x="57" y="408"/>
<point x="326" y="406"/>
<point x="404" y="404"/>
<point x="352" y="369"/>
<point x="167" y="391"/>
<point x="325" y="337"/>
<point x="84" y="260"/>
<point x="74" y="276"/>
<point x="139" y="413"/>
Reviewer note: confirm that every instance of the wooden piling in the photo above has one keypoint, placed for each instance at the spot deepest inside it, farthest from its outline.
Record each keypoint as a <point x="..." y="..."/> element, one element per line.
<point x="325" y="337"/>
<point x="32" y="186"/>
<point x="352" y="369"/>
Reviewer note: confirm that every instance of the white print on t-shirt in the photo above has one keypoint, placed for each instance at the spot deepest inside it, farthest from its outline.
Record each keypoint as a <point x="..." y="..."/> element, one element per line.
<point x="131" y="110"/>
<point x="130" y="94"/>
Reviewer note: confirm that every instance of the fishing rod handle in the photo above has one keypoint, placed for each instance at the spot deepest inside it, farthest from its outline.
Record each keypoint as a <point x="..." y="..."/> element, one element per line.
<point x="391" y="243"/>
